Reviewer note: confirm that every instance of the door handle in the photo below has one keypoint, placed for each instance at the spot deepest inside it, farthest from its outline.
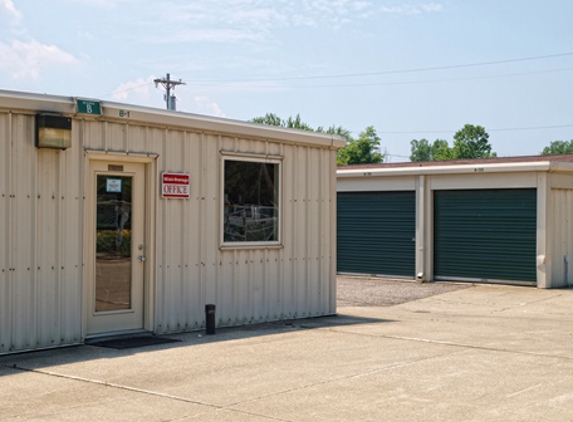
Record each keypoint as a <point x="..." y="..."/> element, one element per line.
<point x="141" y="258"/>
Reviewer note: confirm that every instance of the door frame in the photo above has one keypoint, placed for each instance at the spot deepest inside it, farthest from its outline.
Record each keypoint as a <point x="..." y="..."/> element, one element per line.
<point x="150" y="186"/>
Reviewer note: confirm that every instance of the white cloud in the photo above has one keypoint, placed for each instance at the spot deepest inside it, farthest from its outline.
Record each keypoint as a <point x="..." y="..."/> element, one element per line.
<point x="432" y="7"/>
<point x="334" y="13"/>
<point x="231" y="21"/>
<point x="222" y="35"/>
<point x="27" y="59"/>
<point x="409" y="9"/>
<point x="227" y="21"/>
<point x="7" y="7"/>
<point x="205" y="105"/>
<point x="101" y="3"/>
<point x="135" y="91"/>
<point x="143" y="91"/>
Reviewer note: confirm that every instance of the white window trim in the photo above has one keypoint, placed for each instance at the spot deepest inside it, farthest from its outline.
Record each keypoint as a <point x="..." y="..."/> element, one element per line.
<point x="250" y="158"/>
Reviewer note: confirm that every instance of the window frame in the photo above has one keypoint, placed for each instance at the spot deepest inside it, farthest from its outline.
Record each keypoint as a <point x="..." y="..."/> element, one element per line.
<point x="252" y="158"/>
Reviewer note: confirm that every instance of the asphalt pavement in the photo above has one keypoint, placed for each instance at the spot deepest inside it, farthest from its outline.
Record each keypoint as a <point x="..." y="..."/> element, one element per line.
<point x="469" y="353"/>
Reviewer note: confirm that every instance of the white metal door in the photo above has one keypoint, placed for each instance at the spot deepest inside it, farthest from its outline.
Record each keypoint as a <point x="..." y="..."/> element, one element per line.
<point x="116" y="249"/>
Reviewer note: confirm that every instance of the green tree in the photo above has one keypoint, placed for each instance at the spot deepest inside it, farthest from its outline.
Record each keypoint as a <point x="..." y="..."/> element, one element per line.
<point x="363" y="150"/>
<point x="472" y="142"/>
<point x="441" y="150"/>
<point x="469" y="142"/>
<point x="558" y="147"/>
<point x="336" y="130"/>
<point x="272" y="119"/>
<point x="422" y="150"/>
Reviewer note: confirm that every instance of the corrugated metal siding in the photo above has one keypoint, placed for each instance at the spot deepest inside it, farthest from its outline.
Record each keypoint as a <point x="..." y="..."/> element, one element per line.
<point x="6" y="309"/>
<point x="376" y="232"/>
<point x="40" y="250"/>
<point x="485" y="234"/>
<point x="41" y="233"/>
<point x="562" y="221"/>
<point x="246" y="285"/>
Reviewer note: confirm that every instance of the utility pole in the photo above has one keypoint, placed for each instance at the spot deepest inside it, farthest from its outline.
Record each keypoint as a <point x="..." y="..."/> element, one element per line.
<point x="168" y="84"/>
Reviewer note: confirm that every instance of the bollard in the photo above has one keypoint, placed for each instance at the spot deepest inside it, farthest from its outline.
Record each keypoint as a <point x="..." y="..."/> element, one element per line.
<point x="210" y="319"/>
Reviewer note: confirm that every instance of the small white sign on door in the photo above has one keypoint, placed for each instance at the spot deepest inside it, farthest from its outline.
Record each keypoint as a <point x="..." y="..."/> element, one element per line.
<point x="113" y="185"/>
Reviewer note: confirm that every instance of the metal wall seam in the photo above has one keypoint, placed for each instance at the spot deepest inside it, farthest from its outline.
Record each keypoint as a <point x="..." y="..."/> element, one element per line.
<point x="6" y="302"/>
<point x="46" y="239"/>
<point x="288" y="220"/>
<point x="333" y="231"/>
<point x="323" y="210"/>
<point x="23" y="236"/>
<point x="72" y="294"/>
<point x="195" y="298"/>
<point x="543" y="245"/>
<point x="420" y="240"/>
<point x="47" y="242"/>
<point x="280" y="254"/>
<point x="211" y="224"/>
<point x="314" y="235"/>
<point x="560" y="232"/>
<point x="186" y="248"/>
<point x="567" y="251"/>
<point x="201" y="233"/>
<point x="561" y="235"/>
<point x="303" y="236"/>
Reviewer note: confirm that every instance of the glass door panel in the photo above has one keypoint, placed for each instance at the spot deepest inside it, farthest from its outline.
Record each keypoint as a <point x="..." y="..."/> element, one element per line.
<point x="115" y="249"/>
<point x="113" y="286"/>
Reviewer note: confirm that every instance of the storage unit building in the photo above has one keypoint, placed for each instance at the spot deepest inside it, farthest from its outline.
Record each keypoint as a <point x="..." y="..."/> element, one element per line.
<point x="124" y="219"/>
<point x="501" y="220"/>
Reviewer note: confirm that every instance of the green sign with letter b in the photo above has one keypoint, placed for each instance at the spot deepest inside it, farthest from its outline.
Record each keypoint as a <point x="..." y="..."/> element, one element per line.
<point x="89" y="107"/>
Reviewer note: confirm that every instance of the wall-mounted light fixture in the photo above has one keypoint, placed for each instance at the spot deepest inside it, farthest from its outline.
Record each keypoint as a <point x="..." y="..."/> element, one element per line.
<point x="53" y="131"/>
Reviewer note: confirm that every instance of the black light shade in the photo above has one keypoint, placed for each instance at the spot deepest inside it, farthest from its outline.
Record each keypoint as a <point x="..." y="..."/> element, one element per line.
<point x="53" y="131"/>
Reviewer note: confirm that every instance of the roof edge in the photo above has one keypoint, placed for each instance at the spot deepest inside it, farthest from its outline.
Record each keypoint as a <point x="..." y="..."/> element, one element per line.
<point x="456" y="169"/>
<point x="34" y="102"/>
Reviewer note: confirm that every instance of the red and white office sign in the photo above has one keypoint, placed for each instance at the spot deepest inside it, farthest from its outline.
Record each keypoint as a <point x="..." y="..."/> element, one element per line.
<point x="175" y="185"/>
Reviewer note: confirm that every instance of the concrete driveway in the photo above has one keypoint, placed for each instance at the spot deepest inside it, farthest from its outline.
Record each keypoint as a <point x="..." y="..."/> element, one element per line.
<point x="483" y="353"/>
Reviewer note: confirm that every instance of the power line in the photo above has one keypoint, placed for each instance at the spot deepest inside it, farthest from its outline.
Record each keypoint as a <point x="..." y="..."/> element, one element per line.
<point x="489" y="130"/>
<point x="357" y="85"/>
<point x="217" y="82"/>
<point x="530" y="128"/>
<point x="391" y="72"/>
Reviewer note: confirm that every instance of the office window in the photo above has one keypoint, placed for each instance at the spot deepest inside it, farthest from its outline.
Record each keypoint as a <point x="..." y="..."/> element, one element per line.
<point x="251" y="201"/>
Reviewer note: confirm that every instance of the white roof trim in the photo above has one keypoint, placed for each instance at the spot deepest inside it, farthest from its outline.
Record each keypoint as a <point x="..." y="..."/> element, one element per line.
<point x="32" y="103"/>
<point x="543" y="166"/>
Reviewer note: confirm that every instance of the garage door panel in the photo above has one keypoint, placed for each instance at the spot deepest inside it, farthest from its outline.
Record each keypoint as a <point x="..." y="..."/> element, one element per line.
<point x="485" y="234"/>
<point x="375" y="232"/>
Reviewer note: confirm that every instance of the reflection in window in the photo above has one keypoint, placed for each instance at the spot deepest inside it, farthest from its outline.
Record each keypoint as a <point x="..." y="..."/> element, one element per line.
<point x="251" y="201"/>
<point x="113" y="243"/>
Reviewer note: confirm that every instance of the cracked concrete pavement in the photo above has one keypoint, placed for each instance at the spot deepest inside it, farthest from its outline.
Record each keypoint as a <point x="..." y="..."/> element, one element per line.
<point x="445" y="353"/>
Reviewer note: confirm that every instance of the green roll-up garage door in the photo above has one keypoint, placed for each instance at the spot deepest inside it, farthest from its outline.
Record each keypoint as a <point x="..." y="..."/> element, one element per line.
<point x="485" y="235"/>
<point x="376" y="232"/>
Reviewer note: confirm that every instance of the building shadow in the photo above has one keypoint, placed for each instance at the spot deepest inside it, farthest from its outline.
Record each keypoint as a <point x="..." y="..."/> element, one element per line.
<point x="40" y="360"/>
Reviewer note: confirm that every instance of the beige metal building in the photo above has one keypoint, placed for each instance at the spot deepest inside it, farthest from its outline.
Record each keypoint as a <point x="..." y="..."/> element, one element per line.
<point x="119" y="219"/>
<point x="500" y="220"/>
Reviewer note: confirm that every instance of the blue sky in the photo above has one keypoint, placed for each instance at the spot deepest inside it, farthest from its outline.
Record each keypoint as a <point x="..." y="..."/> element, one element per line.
<point x="412" y="69"/>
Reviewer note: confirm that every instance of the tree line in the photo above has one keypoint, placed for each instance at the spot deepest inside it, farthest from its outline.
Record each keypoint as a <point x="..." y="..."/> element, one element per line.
<point x="471" y="141"/>
<point x="361" y="150"/>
